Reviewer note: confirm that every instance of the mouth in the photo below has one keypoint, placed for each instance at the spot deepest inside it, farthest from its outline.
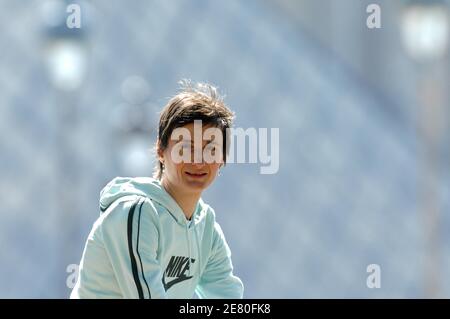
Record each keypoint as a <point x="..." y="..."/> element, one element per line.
<point x="196" y="175"/>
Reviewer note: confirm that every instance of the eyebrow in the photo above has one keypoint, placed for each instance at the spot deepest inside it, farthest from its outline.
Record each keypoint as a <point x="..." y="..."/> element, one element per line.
<point x="213" y="142"/>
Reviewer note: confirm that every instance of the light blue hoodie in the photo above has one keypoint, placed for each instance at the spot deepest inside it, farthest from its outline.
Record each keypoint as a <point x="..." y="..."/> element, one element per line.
<point x="142" y="246"/>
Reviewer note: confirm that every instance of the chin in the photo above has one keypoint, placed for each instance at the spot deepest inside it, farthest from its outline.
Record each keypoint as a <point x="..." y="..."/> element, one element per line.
<point x="196" y="185"/>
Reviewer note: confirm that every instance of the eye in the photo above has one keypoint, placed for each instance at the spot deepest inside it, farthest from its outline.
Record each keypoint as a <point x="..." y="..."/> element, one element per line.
<point x="212" y="149"/>
<point x="185" y="147"/>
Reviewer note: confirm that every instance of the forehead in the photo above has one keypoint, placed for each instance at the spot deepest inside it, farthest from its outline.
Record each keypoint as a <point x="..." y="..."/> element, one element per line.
<point x="201" y="129"/>
<point x="191" y="127"/>
<point x="198" y="125"/>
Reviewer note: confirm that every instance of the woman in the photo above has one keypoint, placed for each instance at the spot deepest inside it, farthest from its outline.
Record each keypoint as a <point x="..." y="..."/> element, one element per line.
<point x="155" y="237"/>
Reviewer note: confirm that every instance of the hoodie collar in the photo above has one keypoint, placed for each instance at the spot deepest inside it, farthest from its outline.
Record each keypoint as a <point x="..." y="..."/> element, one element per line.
<point x="171" y="204"/>
<point x="151" y="188"/>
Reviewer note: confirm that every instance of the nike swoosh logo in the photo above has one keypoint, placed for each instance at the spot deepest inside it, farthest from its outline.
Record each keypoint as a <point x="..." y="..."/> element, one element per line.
<point x="173" y="282"/>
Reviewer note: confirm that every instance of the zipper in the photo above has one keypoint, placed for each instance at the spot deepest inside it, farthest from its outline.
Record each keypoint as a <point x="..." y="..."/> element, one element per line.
<point x="189" y="247"/>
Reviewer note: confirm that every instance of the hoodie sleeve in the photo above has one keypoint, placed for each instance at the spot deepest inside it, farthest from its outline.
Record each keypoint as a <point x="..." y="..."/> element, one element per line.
<point x="130" y="238"/>
<point x="217" y="280"/>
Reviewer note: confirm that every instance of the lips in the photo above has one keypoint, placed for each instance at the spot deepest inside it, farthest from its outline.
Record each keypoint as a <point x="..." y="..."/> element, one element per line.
<point x="196" y="175"/>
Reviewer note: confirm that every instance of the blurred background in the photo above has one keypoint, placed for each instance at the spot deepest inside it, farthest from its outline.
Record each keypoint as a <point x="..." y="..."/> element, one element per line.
<point x="363" y="115"/>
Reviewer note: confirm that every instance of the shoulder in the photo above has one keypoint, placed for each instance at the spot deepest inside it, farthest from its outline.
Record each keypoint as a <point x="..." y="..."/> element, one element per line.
<point x="211" y="220"/>
<point x="125" y="209"/>
<point x="207" y="211"/>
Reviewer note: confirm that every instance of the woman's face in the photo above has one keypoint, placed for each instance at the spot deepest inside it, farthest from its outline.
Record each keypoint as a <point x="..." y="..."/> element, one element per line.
<point x="188" y="167"/>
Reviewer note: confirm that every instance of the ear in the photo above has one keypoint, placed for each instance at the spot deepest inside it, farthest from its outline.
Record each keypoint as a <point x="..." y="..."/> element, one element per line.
<point x="159" y="151"/>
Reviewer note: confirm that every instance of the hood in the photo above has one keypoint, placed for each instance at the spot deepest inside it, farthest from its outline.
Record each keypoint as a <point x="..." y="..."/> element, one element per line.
<point x="151" y="188"/>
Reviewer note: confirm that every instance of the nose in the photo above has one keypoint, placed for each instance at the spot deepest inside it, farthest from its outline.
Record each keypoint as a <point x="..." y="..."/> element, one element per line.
<point x="198" y="165"/>
<point x="197" y="158"/>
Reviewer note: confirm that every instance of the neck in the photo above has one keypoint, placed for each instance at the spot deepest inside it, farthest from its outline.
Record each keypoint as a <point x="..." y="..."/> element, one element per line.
<point x="186" y="201"/>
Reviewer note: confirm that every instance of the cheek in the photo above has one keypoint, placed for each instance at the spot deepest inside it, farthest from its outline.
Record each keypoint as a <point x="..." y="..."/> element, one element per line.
<point x="214" y="168"/>
<point x="178" y="167"/>
<point x="172" y="169"/>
